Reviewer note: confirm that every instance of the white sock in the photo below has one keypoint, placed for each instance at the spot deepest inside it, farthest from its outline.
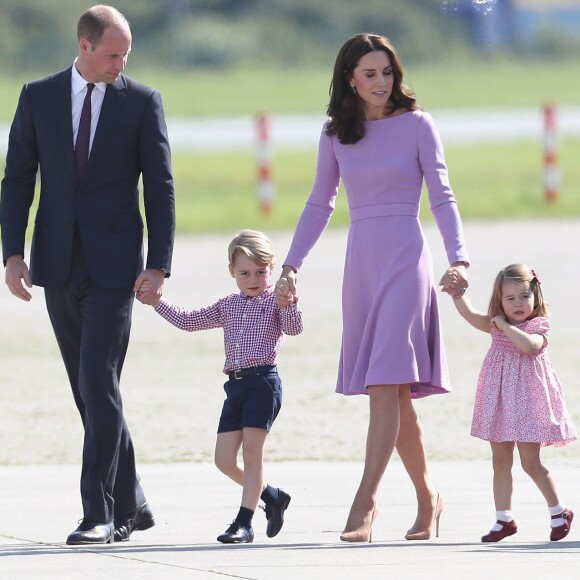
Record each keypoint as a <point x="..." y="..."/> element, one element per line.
<point x="555" y="511"/>
<point x="502" y="516"/>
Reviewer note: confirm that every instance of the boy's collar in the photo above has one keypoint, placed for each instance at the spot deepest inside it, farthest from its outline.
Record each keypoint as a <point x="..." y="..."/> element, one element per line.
<point x="264" y="294"/>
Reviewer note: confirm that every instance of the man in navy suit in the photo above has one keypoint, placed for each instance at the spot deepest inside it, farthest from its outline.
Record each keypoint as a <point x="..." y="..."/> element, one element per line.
<point x="87" y="247"/>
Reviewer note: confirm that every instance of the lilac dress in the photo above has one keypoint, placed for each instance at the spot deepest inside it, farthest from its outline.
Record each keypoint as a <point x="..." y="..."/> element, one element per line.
<point x="391" y="332"/>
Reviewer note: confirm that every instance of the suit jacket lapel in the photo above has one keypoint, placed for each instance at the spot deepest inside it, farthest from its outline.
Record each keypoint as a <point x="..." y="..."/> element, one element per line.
<point x="63" y="110"/>
<point x="114" y="103"/>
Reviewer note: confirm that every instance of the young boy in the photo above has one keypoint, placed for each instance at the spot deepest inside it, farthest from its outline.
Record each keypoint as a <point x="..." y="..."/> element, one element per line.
<point x="255" y="321"/>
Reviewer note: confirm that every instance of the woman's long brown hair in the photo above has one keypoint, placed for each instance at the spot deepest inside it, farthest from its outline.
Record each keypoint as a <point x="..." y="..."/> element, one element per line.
<point x="345" y="108"/>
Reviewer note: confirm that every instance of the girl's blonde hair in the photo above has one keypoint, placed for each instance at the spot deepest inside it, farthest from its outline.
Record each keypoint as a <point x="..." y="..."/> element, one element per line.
<point x="518" y="274"/>
<point x="253" y="244"/>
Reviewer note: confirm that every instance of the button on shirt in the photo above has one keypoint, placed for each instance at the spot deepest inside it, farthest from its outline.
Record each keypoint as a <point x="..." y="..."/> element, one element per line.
<point x="254" y="327"/>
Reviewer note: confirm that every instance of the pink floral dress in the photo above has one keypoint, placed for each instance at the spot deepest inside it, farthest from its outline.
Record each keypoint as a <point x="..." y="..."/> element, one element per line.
<point x="519" y="396"/>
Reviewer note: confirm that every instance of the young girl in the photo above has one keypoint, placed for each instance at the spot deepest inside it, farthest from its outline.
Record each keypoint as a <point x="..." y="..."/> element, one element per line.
<point x="519" y="399"/>
<point x="254" y="321"/>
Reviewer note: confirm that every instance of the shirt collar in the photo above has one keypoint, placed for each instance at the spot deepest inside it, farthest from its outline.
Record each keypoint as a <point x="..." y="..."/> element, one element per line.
<point x="78" y="83"/>
<point x="260" y="296"/>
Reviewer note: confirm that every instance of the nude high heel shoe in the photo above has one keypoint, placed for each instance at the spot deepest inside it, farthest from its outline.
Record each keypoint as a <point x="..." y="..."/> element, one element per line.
<point x="426" y="534"/>
<point x="362" y="533"/>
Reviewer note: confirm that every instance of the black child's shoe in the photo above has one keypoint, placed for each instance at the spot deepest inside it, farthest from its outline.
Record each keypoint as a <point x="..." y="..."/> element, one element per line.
<point x="237" y="534"/>
<point x="275" y="513"/>
<point x="141" y="519"/>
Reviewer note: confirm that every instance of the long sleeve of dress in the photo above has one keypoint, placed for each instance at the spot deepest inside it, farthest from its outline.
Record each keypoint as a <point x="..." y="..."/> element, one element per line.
<point x="319" y="206"/>
<point x="441" y="198"/>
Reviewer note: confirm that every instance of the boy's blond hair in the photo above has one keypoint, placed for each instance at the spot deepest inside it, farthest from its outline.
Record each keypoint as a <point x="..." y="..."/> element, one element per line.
<point x="253" y="244"/>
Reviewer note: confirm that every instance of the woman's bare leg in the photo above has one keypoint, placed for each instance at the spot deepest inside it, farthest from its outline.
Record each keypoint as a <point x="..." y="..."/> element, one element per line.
<point x="381" y="438"/>
<point x="411" y="449"/>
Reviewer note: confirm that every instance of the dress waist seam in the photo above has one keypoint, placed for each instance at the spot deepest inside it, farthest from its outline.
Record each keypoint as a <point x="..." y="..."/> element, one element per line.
<point x="386" y="209"/>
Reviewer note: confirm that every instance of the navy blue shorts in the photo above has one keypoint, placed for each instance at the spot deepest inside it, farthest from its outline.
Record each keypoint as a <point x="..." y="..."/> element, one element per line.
<point x="252" y="401"/>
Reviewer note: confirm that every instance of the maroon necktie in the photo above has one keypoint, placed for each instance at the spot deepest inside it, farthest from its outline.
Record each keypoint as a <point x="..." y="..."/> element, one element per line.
<point x="84" y="134"/>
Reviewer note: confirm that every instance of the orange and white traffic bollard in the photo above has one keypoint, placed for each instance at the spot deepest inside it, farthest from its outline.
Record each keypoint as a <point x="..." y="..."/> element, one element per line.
<point x="552" y="176"/>
<point x="264" y="151"/>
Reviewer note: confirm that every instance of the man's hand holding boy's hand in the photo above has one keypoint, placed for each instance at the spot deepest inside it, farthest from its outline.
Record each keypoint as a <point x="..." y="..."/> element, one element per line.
<point x="146" y="296"/>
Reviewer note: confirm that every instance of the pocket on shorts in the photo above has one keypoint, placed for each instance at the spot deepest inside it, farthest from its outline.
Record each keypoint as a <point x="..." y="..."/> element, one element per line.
<point x="273" y="382"/>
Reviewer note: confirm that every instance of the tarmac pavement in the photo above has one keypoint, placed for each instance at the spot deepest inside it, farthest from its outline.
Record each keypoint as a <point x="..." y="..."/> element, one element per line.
<point x="193" y="503"/>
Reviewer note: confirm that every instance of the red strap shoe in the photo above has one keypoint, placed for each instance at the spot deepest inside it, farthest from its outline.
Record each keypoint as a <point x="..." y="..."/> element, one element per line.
<point x="560" y="532"/>
<point x="507" y="529"/>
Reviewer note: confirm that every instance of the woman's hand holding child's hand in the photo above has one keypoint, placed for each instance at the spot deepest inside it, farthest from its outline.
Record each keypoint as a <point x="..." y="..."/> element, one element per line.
<point x="283" y="295"/>
<point x="454" y="280"/>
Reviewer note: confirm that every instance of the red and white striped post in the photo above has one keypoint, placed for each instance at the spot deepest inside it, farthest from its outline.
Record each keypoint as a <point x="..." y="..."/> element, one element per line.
<point x="264" y="154"/>
<point x="552" y="177"/>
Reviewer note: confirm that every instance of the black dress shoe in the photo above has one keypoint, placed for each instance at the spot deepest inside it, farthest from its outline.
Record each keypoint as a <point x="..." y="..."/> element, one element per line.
<point x="237" y="534"/>
<point x="141" y="519"/>
<point x="275" y="513"/>
<point x="91" y="533"/>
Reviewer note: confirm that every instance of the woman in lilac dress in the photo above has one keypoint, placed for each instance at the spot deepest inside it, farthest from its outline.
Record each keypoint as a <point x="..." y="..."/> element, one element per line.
<point x="382" y="145"/>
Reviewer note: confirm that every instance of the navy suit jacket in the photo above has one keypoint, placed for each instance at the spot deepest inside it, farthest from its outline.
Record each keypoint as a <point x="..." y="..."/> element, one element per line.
<point x="130" y="143"/>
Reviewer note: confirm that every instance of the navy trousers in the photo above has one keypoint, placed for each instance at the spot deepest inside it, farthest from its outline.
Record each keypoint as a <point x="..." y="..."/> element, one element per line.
<point x="92" y="327"/>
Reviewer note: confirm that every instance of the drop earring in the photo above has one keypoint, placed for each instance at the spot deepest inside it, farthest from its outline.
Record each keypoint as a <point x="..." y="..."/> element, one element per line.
<point x="353" y="88"/>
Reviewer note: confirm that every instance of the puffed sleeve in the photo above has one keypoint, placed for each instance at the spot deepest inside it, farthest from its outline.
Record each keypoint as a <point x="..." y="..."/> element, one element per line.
<point x="538" y="325"/>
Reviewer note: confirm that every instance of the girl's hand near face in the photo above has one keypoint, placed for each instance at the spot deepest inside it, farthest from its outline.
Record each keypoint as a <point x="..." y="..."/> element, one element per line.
<point x="527" y="343"/>
<point x="500" y="322"/>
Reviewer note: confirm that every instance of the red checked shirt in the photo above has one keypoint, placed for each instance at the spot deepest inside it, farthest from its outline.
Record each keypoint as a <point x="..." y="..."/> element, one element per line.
<point x="254" y="328"/>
